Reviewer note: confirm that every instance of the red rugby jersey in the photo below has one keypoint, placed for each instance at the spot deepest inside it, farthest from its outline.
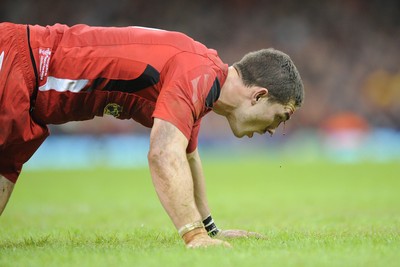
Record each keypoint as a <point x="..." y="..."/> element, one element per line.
<point x="127" y="72"/>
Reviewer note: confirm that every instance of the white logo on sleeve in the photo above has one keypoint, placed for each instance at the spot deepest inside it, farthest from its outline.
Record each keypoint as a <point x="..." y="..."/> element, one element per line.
<point x="45" y="54"/>
<point x="1" y="59"/>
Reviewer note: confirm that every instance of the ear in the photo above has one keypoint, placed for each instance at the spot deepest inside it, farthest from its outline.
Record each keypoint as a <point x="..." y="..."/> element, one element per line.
<point x="258" y="94"/>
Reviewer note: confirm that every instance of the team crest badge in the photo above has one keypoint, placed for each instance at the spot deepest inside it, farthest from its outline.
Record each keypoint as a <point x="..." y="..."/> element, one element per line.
<point x="113" y="109"/>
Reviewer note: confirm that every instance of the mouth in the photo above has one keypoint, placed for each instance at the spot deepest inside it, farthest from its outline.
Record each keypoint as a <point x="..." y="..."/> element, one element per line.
<point x="266" y="131"/>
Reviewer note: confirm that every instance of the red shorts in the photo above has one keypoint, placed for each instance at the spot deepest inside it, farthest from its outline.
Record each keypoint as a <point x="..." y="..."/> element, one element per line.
<point x="20" y="135"/>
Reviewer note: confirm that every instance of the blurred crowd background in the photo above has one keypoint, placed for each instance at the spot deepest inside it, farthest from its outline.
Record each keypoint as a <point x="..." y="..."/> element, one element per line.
<point x="347" y="52"/>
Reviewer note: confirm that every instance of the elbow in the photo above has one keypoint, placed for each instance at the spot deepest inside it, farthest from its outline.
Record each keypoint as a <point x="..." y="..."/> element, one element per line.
<point x="161" y="157"/>
<point x="158" y="156"/>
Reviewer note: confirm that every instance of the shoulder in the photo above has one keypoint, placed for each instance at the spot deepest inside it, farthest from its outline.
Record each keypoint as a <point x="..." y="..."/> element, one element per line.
<point x="196" y="72"/>
<point x="187" y="62"/>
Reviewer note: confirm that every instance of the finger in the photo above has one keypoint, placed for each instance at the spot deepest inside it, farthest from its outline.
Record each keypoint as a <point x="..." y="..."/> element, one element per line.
<point x="256" y="235"/>
<point x="229" y="234"/>
<point x="204" y="243"/>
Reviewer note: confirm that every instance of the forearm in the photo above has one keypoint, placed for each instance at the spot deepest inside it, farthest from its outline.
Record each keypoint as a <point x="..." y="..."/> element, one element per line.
<point x="6" y="188"/>
<point x="199" y="184"/>
<point x="171" y="174"/>
<point x="200" y="192"/>
<point x="202" y="203"/>
<point x="172" y="180"/>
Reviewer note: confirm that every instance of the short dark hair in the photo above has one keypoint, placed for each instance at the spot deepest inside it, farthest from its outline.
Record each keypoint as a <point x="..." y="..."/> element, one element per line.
<point x="275" y="71"/>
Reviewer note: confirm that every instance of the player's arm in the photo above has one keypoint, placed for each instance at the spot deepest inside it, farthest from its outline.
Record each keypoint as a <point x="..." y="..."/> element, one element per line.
<point x="202" y="202"/>
<point x="6" y="188"/>
<point x="198" y="183"/>
<point x="200" y="195"/>
<point x="173" y="182"/>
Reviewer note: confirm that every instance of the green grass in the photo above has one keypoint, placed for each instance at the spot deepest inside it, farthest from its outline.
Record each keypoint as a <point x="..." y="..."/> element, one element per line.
<point x="316" y="214"/>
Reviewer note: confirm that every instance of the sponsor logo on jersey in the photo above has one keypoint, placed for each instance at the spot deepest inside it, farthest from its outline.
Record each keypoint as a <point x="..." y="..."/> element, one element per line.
<point x="44" y="55"/>
<point x="113" y="109"/>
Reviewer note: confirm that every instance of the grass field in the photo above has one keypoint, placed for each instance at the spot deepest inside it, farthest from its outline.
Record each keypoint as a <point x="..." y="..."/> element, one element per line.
<point x="316" y="214"/>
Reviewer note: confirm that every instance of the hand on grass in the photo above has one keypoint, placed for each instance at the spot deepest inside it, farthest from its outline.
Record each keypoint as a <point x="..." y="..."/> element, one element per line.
<point x="206" y="241"/>
<point x="198" y="238"/>
<point x="232" y="234"/>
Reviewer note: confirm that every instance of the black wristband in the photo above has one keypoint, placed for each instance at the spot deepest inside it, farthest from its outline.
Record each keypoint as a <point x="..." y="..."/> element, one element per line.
<point x="210" y="226"/>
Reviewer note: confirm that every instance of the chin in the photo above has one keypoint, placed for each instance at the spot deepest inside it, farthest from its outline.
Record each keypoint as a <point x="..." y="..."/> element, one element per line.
<point x="238" y="135"/>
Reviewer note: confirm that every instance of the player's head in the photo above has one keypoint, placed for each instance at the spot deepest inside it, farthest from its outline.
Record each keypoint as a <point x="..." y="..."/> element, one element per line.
<point x="274" y="70"/>
<point x="275" y="91"/>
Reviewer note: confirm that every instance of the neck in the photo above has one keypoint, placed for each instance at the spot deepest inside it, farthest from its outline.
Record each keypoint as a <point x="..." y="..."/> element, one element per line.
<point x="228" y="98"/>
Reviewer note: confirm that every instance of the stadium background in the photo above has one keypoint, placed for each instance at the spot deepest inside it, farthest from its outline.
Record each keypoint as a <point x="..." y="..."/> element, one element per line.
<point x="346" y="52"/>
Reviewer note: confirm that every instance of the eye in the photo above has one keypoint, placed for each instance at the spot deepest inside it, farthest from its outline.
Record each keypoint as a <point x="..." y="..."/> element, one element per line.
<point x="287" y="116"/>
<point x="284" y="117"/>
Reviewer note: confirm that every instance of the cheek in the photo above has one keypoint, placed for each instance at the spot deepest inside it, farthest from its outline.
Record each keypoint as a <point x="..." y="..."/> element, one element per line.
<point x="275" y="124"/>
<point x="266" y="120"/>
<point x="238" y="119"/>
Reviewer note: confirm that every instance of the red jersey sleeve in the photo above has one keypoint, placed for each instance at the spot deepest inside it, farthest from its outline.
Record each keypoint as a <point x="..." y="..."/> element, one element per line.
<point x="182" y="98"/>
<point x="174" y="106"/>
